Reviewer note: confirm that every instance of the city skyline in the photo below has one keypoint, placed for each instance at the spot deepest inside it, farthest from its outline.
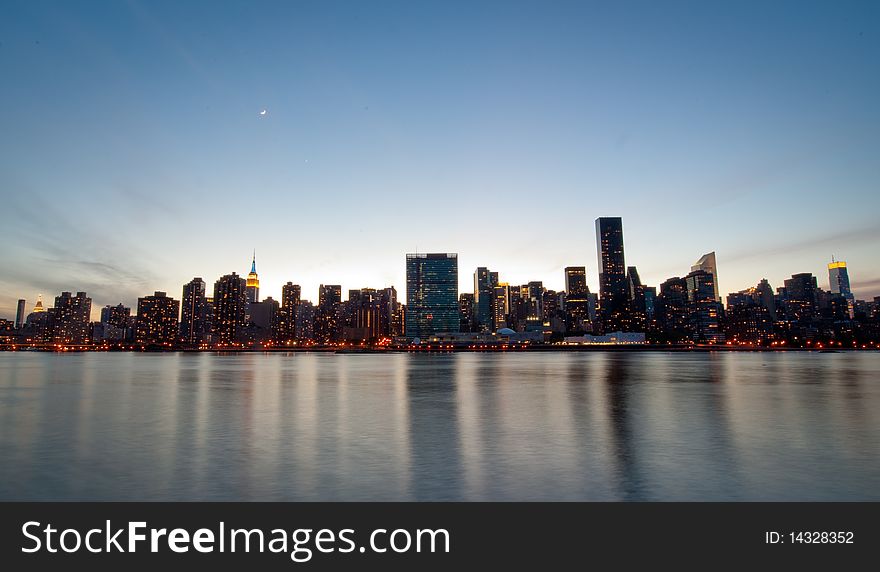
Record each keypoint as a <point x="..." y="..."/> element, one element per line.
<point x="135" y="156"/>
<point x="466" y="284"/>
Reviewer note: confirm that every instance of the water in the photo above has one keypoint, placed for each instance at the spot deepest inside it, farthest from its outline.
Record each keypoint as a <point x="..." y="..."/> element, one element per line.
<point x="522" y="426"/>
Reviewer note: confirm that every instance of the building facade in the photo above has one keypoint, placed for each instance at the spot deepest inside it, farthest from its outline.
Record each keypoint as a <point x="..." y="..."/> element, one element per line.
<point x="157" y="320"/>
<point x="431" y="294"/>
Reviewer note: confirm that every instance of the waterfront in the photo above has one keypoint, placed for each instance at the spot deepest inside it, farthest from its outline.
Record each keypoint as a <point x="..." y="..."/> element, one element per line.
<point x="460" y="426"/>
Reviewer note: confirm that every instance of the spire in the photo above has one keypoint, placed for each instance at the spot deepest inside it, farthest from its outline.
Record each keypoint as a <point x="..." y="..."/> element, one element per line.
<point x="254" y="263"/>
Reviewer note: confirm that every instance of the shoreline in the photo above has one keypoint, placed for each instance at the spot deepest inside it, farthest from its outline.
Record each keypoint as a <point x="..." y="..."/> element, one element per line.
<point x="499" y="349"/>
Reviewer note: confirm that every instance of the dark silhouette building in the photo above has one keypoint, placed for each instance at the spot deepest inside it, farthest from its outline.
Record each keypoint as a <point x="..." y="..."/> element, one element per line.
<point x="613" y="295"/>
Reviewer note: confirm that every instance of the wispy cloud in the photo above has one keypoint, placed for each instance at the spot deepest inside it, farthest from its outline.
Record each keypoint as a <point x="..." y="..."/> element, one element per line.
<point x="863" y="234"/>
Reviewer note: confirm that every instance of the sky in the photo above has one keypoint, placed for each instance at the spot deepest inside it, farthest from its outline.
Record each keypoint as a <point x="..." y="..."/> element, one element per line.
<point x="134" y="156"/>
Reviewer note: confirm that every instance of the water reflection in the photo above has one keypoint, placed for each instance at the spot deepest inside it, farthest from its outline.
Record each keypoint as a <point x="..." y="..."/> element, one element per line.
<point x="539" y="426"/>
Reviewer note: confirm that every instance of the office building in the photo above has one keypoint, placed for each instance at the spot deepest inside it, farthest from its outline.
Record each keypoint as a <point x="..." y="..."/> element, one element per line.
<point x="577" y="300"/>
<point x="704" y="312"/>
<point x="484" y="294"/>
<point x="613" y="298"/>
<point x="707" y="263"/>
<point x="20" y="315"/>
<point x="431" y="294"/>
<point x="328" y="314"/>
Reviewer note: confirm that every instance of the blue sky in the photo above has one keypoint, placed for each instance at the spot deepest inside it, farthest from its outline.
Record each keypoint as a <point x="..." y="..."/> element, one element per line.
<point x="133" y="155"/>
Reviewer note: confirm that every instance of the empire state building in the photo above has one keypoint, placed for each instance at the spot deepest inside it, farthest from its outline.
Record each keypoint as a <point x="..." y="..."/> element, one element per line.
<point x="253" y="283"/>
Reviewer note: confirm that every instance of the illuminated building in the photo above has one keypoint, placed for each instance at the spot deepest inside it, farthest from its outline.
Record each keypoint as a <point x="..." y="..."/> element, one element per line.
<point x="431" y="294"/>
<point x="157" y="320"/>
<point x="466" y="318"/>
<point x="38" y="307"/>
<point x="328" y="314"/>
<point x="535" y="301"/>
<point x="398" y="324"/>
<point x="253" y="282"/>
<point x="800" y="297"/>
<point x="304" y="329"/>
<point x="71" y="321"/>
<point x="636" y="294"/>
<point x="230" y="304"/>
<point x="290" y="301"/>
<point x="707" y="263"/>
<point x="114" y="324"/>
<point x="838" y="277"/>
<point x="369" y="314"/>
<point x="484" y="293"/>
<point x="672" y="309"/>
<point x="747" y="318"/>
<point x="194" y="312"/>
<point x="704" y="312"/>
<point x="500" y="305"/>
<point x="19" y="314"/>
<point x="387" y="303"/>
<point x="115" y="315"/>
<point x="553" y="303"/>
<point x="613" y="297"/>
<point x="767" y="299"/>
<point x="577" y="301"/>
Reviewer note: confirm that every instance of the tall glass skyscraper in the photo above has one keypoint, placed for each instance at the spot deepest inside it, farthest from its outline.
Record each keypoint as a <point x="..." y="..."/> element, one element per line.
<point x="707" y="263"/>
<point x="613" y="285"/>
<point x="484" y="292"/>
<point x="838" y="277"/>
<point x="431" y="294"/>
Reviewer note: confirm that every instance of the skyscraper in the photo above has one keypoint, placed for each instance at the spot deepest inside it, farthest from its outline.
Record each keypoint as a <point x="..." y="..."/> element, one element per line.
<point x="230" y="305"/>
<point x="194" y="310"/>
<point x="387" y="301"/>
<point x="500" y="305"/>
<point x="838" y="277"/>
<point x="766" y="298"/>
<point x="466" y="307"/>
<point x="707" y="263"/>
<point x="157" y="319"/>
<point x="328" y="314"/>
<point x="612" y="274"/>
<point x="577" y="300"/>
<point x="19" y="314"/>
<point x="484" y="293"/>
<point x="71" y="320"/>
<point x="290" y="300"/>
<point x="536" y="302"/>
<point x="672" y="309"/>
<point x="703" y="310"/>
<point x="800" y="297"/>
<point x="253" y="282"/>
<point x="636" y="300"/>
<point x="431" y="294"/>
